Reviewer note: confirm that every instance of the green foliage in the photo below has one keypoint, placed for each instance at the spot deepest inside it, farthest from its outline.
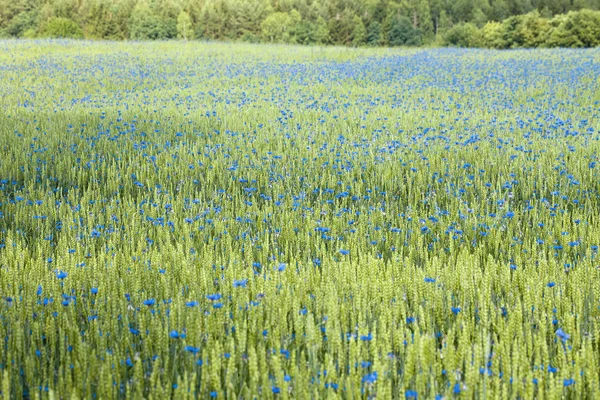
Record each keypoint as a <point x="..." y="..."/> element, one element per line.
<point x="145" y="24"/>
<point x="463" y="35"/>
<point x="59" y="27"/>
<point x="322" y="34"/>
<point x="403" y="33"/>
<point x="359" y="32"/>
<point x="493" y="36"/>
<point x="576" y="29"/>
<point x="374" y="34"/>
<point x="276" y="27"/>
<point x="527" y="23"/>
<point x="21" y="23"/>
<point x="184" y="26"/>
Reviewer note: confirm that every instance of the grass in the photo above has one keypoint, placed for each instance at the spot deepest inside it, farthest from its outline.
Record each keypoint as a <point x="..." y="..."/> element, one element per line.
<point x="243" y="221"/>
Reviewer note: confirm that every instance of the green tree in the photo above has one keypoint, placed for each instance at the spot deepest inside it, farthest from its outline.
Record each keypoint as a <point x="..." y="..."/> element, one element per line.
<point x="59" y="27"/>
<point x="321" y="31"/>
<point x="374" y="35"/>
<point x="185" y="30"/>
<point x="275" y="28"/>
<point x="576" y="29"/>
<point x="144" y="24"/>
<point x="21" y="23"/>
<point x="463" y="35"/>
<point x="493" y="35"/>
<point x="359" y="32"/>
<point x="478" y="17"/>
<point x="214" y="19"/>
<point x="403" y="33"/>
<point x="341" y="27"/>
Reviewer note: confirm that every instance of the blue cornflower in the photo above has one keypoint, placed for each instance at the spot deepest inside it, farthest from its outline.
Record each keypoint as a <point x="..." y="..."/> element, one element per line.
<point x="370" y="378"/>
<point x="568" y="382"/>
<point x="367" y="338"/>
<point x="240" y="283"/>
<point x="344" y="252"/>
<point x="192" y="349"/>
<point x="61" y="274"/>
<point x="149" y="302"/>
<point x="562" y="335"/>
<point x="456" y="389"/>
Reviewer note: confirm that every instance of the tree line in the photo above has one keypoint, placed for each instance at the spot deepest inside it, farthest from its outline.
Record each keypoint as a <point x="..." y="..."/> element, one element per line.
<point x="466" y="23"/>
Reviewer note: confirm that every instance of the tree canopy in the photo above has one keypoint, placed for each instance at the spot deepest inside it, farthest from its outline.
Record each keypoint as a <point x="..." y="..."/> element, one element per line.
<point x="471" y="23"/>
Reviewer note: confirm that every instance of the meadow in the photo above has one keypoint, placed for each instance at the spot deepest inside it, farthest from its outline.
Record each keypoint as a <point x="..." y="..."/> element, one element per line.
<point x="234" y="221"/>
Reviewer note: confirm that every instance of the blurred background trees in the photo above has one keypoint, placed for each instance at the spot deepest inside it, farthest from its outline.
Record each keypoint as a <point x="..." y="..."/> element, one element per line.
<point x="466" y="23"/>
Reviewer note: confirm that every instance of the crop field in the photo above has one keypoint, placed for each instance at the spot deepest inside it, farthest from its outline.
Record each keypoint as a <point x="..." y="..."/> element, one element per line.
<point x="229" y="221"/>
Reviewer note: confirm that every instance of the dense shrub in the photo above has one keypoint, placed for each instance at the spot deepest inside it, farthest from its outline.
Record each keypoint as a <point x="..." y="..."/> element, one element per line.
<point x="463" y="35"/>
<point x="403" y="33"/>
<point x="58" y="27"/>
<point x="576" y="29"/>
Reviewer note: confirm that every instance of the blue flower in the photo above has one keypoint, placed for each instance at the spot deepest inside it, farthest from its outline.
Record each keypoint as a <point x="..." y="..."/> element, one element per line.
<point x="455" y="310"/>
<point x="174" y="335"/>
<point x="411" y="394"/>
<point x="344" y="252"/>
<point x="193" y="303"/>
<point x="456" y="389"/>
<point x="370" y="378"/>
<point x="149" y="302"/>
<point x="94" y="290"/>
<point x="241" y="283"/>
<point x="61" y="275"/>
<point x="191" y="349"/>
<point x="214" y="297"/>
<point x="551" y="284"/>
<point x="568" y="382"/>
<point x="275" y="390"/>
<point x="562" y="335"/>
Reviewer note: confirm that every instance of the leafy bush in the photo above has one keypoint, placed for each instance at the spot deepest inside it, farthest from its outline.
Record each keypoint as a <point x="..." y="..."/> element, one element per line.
<point x="528" y="30"/>
<point x="58" y="27"/>
<point x="21" y="23"/>
<point x="403" y="33"/>
<point x="492" y="35"/>
<point x="576" y="29"/>
<point x="463" y="35"/>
